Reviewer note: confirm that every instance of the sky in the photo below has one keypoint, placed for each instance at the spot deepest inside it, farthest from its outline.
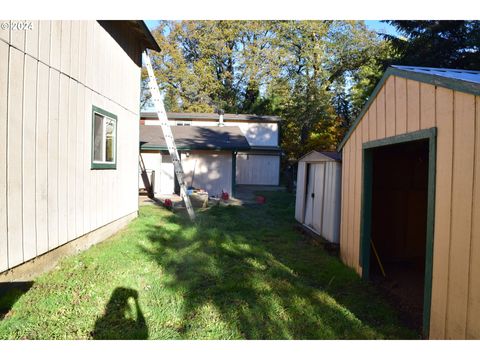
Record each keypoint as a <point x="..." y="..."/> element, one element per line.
<point x="375" y="25"/>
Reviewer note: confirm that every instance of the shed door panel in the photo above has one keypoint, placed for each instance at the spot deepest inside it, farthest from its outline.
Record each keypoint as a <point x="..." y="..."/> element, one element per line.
<point x="309" y="203"/>
<point x="319" y="197"/>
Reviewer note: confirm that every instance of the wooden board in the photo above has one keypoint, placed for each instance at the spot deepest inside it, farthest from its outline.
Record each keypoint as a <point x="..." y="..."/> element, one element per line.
<point x="41" y="160"/>
<point x="55" y="44"/>
<point x="400" y="105"/>
<point x="74" y="48"/>
<point x="462" y="183"/>
<point x="28" y="161"/>
<point x="72" y="158"/>
<point x="380" y="102"/>
<point x="44" y="41"/>
<point x="427" y="106"/>
<point x="443" y="201"/>
<point x="31" y="39"/>
<point x="63" y="160"/>
<point x="4" y="61"/>
<point x="65" y="47"/>
<point x="473" y="311"/>
<point x="372" y="122"/>
<point x="413" y="106"/>
<point x="14" y="158"/>
<point x="17" y="37"/>
<point x="390" y="107"/>
<point x="82" y="114"/>
<point x="5" y="32"/>
<point x="53" y="158"/>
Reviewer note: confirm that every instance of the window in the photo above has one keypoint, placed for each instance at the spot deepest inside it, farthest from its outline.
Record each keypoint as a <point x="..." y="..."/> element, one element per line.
<point x="104" y="139"/>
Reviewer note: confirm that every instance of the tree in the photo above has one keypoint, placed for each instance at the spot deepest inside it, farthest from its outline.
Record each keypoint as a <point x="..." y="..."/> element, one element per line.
<point x="304" y="71"/>
<point x="435" y="43"/>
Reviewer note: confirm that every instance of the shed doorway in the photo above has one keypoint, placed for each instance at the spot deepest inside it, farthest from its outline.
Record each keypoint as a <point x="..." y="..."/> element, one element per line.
<point x="397" y="224"/>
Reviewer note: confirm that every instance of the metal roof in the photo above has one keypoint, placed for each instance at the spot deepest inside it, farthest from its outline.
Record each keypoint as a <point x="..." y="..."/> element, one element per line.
<point x="195" y="138"/>
<point x="456" y="79"/>
<point x="212" y="116"/>
<point x="457" y="74"/>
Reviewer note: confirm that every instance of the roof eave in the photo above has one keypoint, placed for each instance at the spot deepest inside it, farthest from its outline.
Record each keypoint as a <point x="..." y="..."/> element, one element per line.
<point x="153" y="45"/>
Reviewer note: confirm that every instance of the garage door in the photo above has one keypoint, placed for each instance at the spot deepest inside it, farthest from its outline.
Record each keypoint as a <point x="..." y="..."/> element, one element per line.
<point x="258" y="169"/>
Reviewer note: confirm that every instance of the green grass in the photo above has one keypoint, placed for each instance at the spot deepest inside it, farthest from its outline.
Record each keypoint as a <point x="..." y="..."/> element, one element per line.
<point x="238" y="273"/>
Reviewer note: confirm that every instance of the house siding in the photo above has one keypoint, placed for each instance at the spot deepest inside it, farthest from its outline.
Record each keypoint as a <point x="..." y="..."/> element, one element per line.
<point x="52" y="76"/>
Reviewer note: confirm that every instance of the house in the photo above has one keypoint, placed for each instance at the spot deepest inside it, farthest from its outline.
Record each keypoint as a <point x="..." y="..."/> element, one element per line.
<point x="410" y="194"/>
<point x="207" y="155"/>
<point x="68" y="137"/>
<point x="255" y="159"/>
<point x="317" y="204"/>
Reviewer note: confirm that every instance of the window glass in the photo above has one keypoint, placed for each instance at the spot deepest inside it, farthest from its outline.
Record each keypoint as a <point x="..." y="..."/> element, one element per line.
<point x="98" y="149"/>
<point x="109" y="139"/>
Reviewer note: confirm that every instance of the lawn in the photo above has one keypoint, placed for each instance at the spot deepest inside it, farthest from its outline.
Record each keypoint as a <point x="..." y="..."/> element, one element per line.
<point x="237" y="273"/>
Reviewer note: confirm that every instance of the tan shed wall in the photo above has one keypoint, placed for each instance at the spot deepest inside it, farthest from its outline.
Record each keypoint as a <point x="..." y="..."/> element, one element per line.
<point x="404" y="106"/>
<point x="49" y="79"/>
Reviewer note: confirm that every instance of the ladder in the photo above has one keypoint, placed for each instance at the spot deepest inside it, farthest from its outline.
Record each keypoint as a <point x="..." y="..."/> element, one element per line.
<point x="167" y="134"/>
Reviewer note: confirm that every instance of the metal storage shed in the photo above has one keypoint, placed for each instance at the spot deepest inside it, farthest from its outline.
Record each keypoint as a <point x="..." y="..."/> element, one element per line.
<point x="317" y="203"/>
<point x="411" y="185"/>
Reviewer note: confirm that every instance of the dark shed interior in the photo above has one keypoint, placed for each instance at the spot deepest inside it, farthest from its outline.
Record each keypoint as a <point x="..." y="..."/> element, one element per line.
<point x="399" y="223"/>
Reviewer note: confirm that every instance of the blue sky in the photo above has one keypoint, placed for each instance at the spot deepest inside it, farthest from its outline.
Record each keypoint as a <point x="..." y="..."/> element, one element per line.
<point x="372" y="24"/>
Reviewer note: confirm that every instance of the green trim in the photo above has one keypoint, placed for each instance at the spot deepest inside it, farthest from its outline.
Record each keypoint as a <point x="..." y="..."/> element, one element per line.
<point x="102" y="166"/>
<point x="413" y="136"/>
<point x="366" y="221"/>
<point x="234" y="172"/>
<point x="432" y="174"/>
<point x="454" y="84"/>
<point x="366" y="212"/>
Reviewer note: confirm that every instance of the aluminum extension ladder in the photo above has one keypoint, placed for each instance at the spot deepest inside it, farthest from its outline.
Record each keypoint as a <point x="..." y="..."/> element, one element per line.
<point x="167" y="133"/>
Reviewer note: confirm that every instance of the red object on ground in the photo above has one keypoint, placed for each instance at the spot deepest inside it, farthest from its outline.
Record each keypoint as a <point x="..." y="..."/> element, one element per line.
<point x="225" y="195"/>
<point x="168" y="203"/>
<point x="261" y="199"/>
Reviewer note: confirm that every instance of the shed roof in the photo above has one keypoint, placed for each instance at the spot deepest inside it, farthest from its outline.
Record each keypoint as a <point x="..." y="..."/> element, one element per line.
<point x="456" y="79"/>
<point x="194" y="138"/>
<point x="212" y="116"/>
<point x="321" y="156"/>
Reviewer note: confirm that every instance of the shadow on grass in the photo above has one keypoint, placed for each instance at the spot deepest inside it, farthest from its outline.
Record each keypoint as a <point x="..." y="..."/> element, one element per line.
<point x="123" y="319"/>
<point x="10" y="293"/>
<point x="262" y="279"/>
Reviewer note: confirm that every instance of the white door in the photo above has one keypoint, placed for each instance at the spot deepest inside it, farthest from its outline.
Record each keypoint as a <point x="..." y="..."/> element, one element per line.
<point x="153" y="162"/>
<point x="318" y="197"/>
<point x="167" y="181"/>
<point x="309" y="201"/>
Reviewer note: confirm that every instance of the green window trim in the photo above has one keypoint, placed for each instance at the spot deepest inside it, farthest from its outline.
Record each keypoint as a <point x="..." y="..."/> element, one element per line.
<point x="366" y="209"/>
<point x="96" y="165"/>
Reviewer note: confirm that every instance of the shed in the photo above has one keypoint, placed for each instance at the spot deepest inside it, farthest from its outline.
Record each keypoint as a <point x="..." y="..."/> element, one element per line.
<point x="208" y="157"/>
<point x="69" y="109"/>
<point x="317" y="204"/>
<point x="411" y="187"/>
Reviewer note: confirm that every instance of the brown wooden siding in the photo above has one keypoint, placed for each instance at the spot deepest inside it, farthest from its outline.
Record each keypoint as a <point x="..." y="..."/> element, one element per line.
<point x="405" y="106"/>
